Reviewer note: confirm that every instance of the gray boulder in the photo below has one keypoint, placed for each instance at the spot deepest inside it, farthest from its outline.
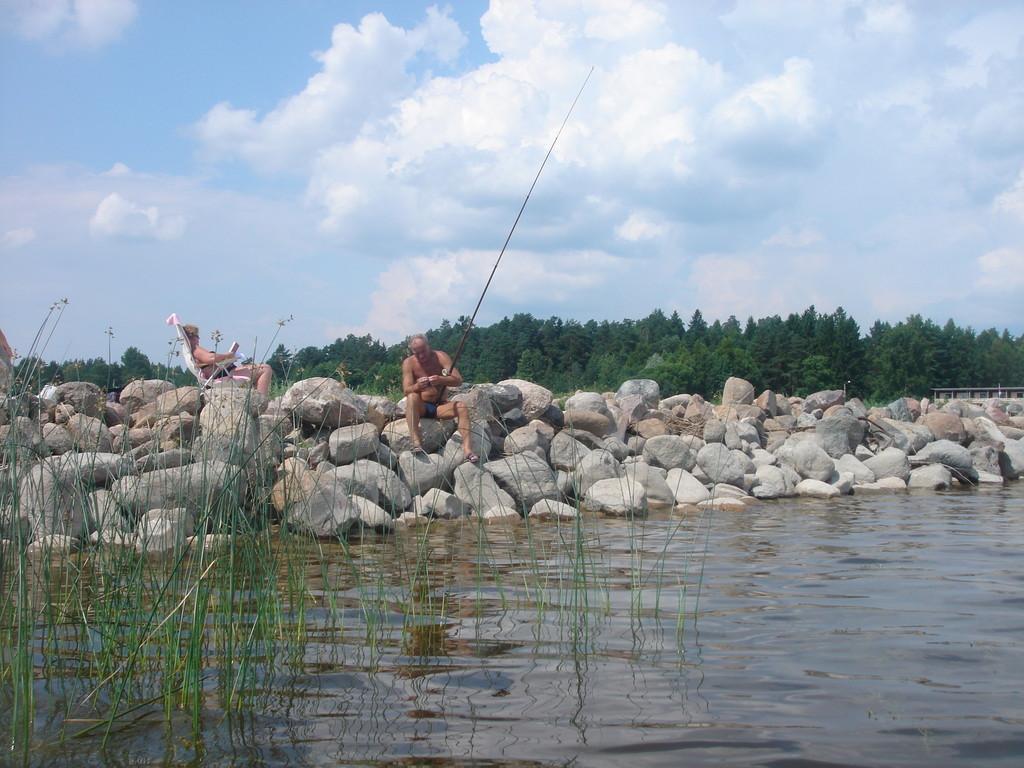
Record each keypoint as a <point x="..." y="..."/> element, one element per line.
<point x="554" y="509"/>
<point x="324" y="402"/>
<point x="596" y="465"/>
<point x="771" y="483"/>
<point x="891" y="462"/>
<point x="851" y="464"/>
<point x="164" y="531"/>
<point x="670" y="452"/>
<point x="722" y="465"/>
<point x="536" y="398"/>
<point x="89" y="433"/>
<point x="653" y="480"/>
<point x="616" y="496"/>
<point x="526" y="477"/>
<point x="823" y="400"/>
<point x="52" y="499"/>
<point x="646" y="389"/>
<point x="737" y="392"/>
<point x="816" y="489"/>
<point x="931" y="477"/>
<point x="900" y="410"/>
<point x="714" y="431"/>
<point x="143" y="392"/>
<point x="479" y="490"/>
<point x="438" y="504"/>
<point x="194" y="486"/>
<point x="433" y="434"/>
<point x="84" y="397"/>
<point x="325" y="512"/>
<point x="840" y="433"/>
<point x="421" y="472"/>
<point x="1011" y="460"/>
<point x="686" y="488"/>
<point x="811" y="462"/>
<point x="534" y="437"/>
<point x="347" y="444"/>
<point x="392" y="493"/>
<point x="952" y="455"/>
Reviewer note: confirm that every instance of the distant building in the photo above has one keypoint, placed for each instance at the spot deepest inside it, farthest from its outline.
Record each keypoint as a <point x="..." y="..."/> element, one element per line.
<point x="977" y="393"/>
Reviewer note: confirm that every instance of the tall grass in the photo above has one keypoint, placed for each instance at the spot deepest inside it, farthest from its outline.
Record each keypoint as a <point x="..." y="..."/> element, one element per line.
<point x="127" y="630"/>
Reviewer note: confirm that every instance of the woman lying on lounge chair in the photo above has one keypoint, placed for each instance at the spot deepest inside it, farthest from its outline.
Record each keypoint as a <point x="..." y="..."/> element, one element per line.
<point x="213" y="363"/>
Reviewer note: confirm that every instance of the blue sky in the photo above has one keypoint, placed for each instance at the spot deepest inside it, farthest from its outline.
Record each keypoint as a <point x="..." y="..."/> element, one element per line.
<point x="357" y="165"/>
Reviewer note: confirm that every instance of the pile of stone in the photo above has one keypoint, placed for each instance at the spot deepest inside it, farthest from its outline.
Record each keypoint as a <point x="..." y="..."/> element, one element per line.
<point x="155" y="470"/>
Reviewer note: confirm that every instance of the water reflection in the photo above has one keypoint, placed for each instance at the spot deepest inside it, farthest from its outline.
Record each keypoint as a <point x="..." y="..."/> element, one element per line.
<point x="864" y="631"/>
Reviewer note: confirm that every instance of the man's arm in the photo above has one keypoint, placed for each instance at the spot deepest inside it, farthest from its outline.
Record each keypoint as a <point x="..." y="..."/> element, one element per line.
<point x="409" y="383"/>
<point x="454" y="378"/>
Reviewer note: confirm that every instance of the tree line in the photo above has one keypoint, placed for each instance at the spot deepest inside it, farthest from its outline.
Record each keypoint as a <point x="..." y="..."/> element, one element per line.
<point x="802" y="353"/>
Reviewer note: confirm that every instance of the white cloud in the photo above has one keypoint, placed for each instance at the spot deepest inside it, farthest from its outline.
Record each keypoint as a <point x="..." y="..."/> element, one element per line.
<point x="415" y="292"/>
<point x="117" y="217"/>
<point x="87" y="23"/>
<point x="1001" y="270"/>
<point x="15" y="238"/>
<point x="640" y="226"/>
<point x="982" y="41"/>
<point x="773" y="109"/>
<point x="362" y="74"/>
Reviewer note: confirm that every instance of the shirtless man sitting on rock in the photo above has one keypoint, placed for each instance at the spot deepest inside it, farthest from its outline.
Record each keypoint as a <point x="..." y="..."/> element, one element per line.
<point x="425" y="375"/>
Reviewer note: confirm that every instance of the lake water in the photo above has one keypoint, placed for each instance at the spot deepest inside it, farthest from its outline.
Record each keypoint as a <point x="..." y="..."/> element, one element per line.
<point x="874" y="630"/>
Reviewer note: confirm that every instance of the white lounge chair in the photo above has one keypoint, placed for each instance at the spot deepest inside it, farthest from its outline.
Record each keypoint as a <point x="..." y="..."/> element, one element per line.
<point x="205" y="382"/>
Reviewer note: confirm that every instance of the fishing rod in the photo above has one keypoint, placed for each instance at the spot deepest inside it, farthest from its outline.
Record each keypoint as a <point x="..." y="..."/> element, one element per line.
<point x="472" y="319"/>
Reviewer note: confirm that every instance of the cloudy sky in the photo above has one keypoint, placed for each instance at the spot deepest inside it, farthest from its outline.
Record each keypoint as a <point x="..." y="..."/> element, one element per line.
<point x="357" y="165"/>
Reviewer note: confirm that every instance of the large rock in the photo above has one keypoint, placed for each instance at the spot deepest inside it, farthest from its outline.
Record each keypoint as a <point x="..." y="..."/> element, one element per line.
<point x="164" y="531"/>
<point x="89" y="434"/>
<point x="527" y="478"/>
<point x="178" y="401"/>
<point x="686" y="488"/>
<point x="670" y="452"/>
<point x="823" y="400"/>
<point x="421" y="472"/>
<point x="587" y="401"/>
<point x="985" y="459"/>
<point x="945" y="426"/>
<point x="840" y="433"/>
<point x="811" y="462"/>
<point x="952" y="455"/>
<point x="854" y="466"/>
<point x="771" y="483"/>
<point x="324" y="402"/>
<point x="659" y="494"/>
<point x="84" y="397"/>
<point x="595" y="422"/>
<point x="907" y="436"/>
<point x="722" y="465"/>
<point x="57" y="438"/>
<point x="326" y="511"/>
<point x="737" y="392"/>
<point x="616" y="496"/>
<point x="194" y="486"/>
<point x="534" y="437"/>
<point x="932" y="477"/>
<point x="433" y="433"/>
<point x="900" y="409"/>
<point x="143" y="392"/>
<point x="295" y="482"/>
<point x="768" y="402"/>
<point x="891" y="462"/>
<point x="557" y="510"/>
<point x="816" y="489"/>
<point x="1011" y="460"/>
<point x="347" y="444"/>
<point x="479" y="490"/>
<point x="23" y="437"/>
<point x="504" y="397"/>
<point x="646" y="389"/>
<point x="393" y="494"/>
<point x="52" y="499"/>
<point x="229" y="428"/>
<point x="596" y="465"/>
<point x="439" y="504"/>
<point x="536" y="398"/>
<point x="566" y="452"/>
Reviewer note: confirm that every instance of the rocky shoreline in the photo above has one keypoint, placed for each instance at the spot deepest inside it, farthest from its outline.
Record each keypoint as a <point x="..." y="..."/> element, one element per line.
<point x="158" y="470"/>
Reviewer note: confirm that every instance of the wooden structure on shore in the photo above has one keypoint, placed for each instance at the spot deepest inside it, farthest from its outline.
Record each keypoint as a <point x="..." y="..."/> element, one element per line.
<point x="977" y="393"/>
